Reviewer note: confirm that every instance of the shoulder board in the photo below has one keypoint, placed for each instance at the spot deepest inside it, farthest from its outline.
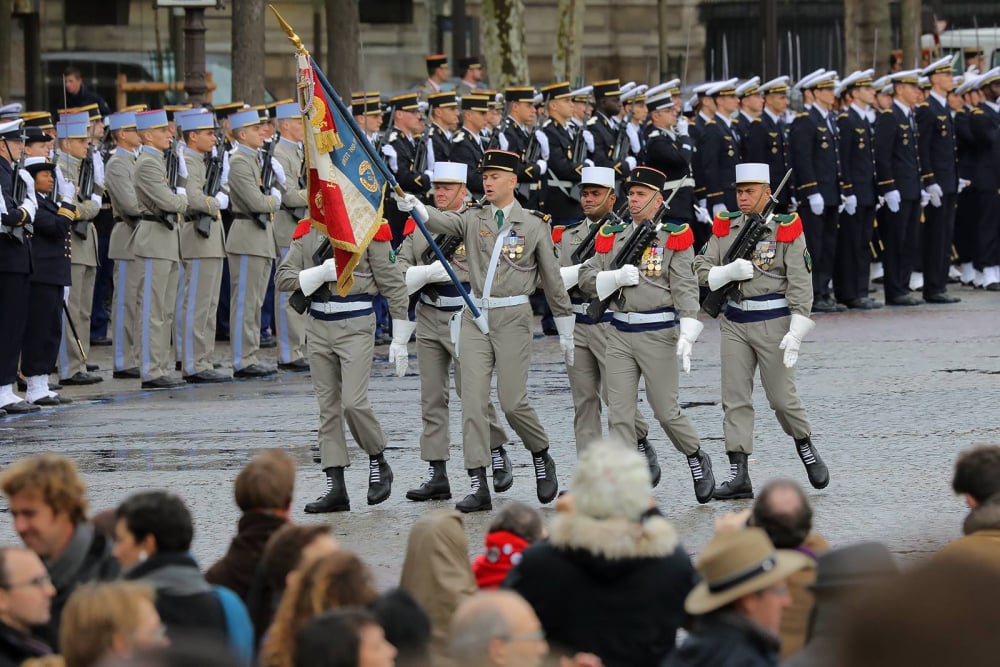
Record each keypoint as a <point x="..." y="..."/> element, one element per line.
<point x="544" y="217"/>
<point x="977" y="111"/>
<point x="655" y="133"/>
<point x="755" y="120"/>
<point x="681" y="236"/>
<point x="842" y="115"/>
<point x="789" y="230"/>
<point x="592" y="121"/>
<point x="605" y="240"/>
<point x="409" y="226"/>
<point x="384" y="233"/>
<point x="735" y="121"/>
<point x="887" y="110"/>
<point x="709" y="122"/>
<point x="802" y="114"/>
<point x="471" y="205"/>
<point x="923" y="104"/>
<point x="302" y="229"/>
<point x="557" y="233"/>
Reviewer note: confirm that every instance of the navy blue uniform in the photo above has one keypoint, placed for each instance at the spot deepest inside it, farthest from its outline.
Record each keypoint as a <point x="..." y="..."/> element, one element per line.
<point x="400" y="160"/>
<point x="938" y="148"/>
<point x="854" y="236"/>
<point x="605" y="138"/>
<point x="671" y="154"/>
<point x="966" y="213"/>
<point x="986" y="183"/>
<point x="466" y="149"/>
<point x="15" y="269"/>
<point x="766" y="141"/>
<point x="720" y="153"/>
<point x="561" y="176"/>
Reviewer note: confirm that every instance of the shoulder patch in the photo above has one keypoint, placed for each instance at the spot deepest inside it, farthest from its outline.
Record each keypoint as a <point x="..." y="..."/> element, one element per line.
<point x="384" y="233"/>
<point x="545" y="217"/>
<point x="802" y="114"/>
<point x="302" y="229"/>
<point x="458" y="138"/>
<point x="681" y="236"/>
<point x="592" y="121"/>
<point x="789" y="230"/>
<point x="886" y="110"/>
<point x="409" y="226"/>
<point x="557" y="233"/>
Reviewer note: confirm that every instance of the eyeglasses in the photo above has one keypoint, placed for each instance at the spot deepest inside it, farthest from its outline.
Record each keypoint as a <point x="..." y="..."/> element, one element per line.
<point x="39" y="581"/>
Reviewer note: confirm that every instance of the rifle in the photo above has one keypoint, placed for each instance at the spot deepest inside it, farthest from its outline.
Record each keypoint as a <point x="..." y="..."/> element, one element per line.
<point x="743" y="247"/>
<point x="383" y="134"/>
<point x="211" y="187"/>
<point x="299" y="301"/>
<point x="622" y="144"/>
<point x="267" y="176"/>
<point x="86" y="190"/>
<point x="579" y="148"/>
<point x="586" y="249"/>
<point x="173" y="173"/>
<point x="420" y="157"/>
<point x="494" y="142"/>
<point x="20" y="192"/>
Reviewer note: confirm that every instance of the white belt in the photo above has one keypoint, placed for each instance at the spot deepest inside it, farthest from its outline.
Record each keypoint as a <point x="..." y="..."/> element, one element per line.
<point x="331" y="307"/>
<point x="442" y="301"/>
<point x="686" y="182"/>
<point x="580" y="308"/>
<point x="500" y="301"/>
<point x="770" y="304"/>
<point x="643" y="318"/>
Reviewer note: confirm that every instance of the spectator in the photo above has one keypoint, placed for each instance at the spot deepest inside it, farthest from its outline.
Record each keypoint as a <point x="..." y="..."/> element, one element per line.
<point x="436" y="572"/>
<point x="153" y="534"/>
<point x="515" y="527"/>
<point x="977" y="474"/>
<point x="336" y="580"/>
<point x="109" y="620"/>
<point x="25" y="598"/>
<point x="497" y="628"/>
<point x="406" y="626"/>
<point x="841" y="576"/>
<point x="79" y="95"/>
<point x="287" y="550"/>
<point x="738" y="602"/>
<point x="190" y="653"/>
<point x="263" y="490"/>
<point x="612" y="576"/>
<point x="981" y="541"/>
<point x="46" y="500"/>
<point x="349" y="637"/>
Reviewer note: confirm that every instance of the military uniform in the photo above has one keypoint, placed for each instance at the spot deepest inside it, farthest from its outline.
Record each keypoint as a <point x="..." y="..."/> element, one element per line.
<point x="562" y="175"/>
<point x="985" y="126"/>
<point x="294" y="207"/>
<point x="518" y="139"/>
<point x="119" y="176"/>
<point x="766" y="142"/>
<point x="854" y="236"/>
<point x="400" y="154"/>
<point x="671" y="153"/>
<point x="468" y="149"/>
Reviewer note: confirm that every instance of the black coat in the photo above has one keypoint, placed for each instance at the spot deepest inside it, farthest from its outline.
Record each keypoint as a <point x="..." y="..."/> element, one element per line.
<point x="15" y="647"/>
<point x="857" y="158"/>
<point x="767" y="141"/>
<point x="985" y="127"/>
<point x="672" y="156"/>
<point x="613" y="588"/>
<point x="605" y="139"/>
<point x="815" y="156"/>
<point x="726" y="639"/>
<point x="237" y="568"/>
<point x="85" y="97"/>
<point x="51" y="246"/>
<point x="897" y="163"/>
<point x="938" y="145"/>
<point x="720" y="153"/>
<point x="15" y="257"/>
<point x="467" y="149"/>
<point x="562" y="174"/>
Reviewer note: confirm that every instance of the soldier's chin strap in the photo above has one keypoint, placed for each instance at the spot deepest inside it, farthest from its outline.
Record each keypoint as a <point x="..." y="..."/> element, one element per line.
<point x="448" y="206"/>
<point x="635" y="217"/>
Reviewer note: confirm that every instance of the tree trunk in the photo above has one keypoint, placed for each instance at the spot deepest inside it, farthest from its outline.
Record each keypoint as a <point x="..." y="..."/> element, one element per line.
<point x="566" y="59"/>
<point x="909" y="33"/>
<point x="248" y="51"/>
<point x="862" y="19"/>
<point x="6" y="31"/>
<point x="503" y="43"/>
<point x="343" y="46"/>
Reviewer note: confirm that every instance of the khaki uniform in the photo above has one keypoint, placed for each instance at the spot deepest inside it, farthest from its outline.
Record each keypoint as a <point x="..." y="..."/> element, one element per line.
<point x="83" y="273"/>
<point x="341" y="344"/>
<point x="667" y="287"/>
<point x="436" y="352"/>
<point x="527" y="256"/>
<point x="290" y="326"/>
<point x="157" y="249"/>
<point x="588" y="374"/>
<point x="119" y="175"/>
<point x="251" y="253"/>
<point x="202" y="261"/>
<point x="750" y="338"/>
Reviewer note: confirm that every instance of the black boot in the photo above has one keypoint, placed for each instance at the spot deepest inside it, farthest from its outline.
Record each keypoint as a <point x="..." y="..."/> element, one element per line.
<point x="479" y="500"/>
<point x="819" y="476"/>
<point x="647" y="450"/>
<point x="701" y="474"/>
<point x="335" y="499"/>
<point x="435" y="487"/>
<point x="737" y="485"/>
<point x="503" y="472"/>
<point x="545" y="476"/>
<point x="379" y="479"/>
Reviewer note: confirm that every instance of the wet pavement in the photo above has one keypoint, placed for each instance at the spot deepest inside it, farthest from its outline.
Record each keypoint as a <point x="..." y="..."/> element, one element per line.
<point x="893" y="396"/>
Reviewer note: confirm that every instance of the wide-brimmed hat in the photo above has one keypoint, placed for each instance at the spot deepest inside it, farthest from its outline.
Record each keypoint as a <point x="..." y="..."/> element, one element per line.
<point x="860" y="564"/>
<point x="739" y="563"/>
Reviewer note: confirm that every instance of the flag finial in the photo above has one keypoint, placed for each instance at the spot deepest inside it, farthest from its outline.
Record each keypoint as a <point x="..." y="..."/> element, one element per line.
<point x="290" y="32"/>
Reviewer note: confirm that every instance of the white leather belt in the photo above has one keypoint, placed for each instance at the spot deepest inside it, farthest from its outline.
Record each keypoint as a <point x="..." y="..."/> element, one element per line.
<point x="500" y="301"/>
<point x="686" y="182"/>
<point x="443" y="301"/>
<point x="580" y="308"/>
<point x="770" y="304"/>
<point x="331" y="307"/>
<point x="643" y="318"/>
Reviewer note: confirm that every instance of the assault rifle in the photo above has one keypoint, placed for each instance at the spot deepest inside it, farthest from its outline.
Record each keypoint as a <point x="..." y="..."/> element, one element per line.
<point x="211" y="187"/>
<point x="299" y="301"/>
<point x="19" y="193"/>
<point x="494" y="142"/>
<point x="267" y="177"/>
<point x="86" y="190"/>
<point x="586" y="249"/>
<point x="622" y="144"/>
<point x="420" y="157"/>
<point x="173" y="174"/>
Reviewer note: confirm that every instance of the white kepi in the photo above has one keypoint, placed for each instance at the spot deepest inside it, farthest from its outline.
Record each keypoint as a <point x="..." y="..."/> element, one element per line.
<point x="603" y="176"/>
<point x="450" y="172"/>
<point x="753" y="172"/>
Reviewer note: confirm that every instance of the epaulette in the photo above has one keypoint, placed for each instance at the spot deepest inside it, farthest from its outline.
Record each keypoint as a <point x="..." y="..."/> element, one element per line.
<point x="789" y="227"/>
<point x="545" y="217"/>
<point x="923" y="104"/>
<point x="591" y="121"/>
<point x="605" y="240"/>
<point x="654" y="133"/>
<point x="557" y="233"/>
<point x="681" y="236"/>
<point x="842" y="115"/>
<point x="802" y="114"/>
<point x="886" y="110"/>
<point x="393" y="136"/>
<point x="471" y="205"/>
<point x="409" y="226"/>
<point x="977" y="111"/>
<point x="302" y="228"/>
<point x="721" y="223"/>
<point x="458" y="137"/>
<point x="709" y="122"/>
<point x="755" y="120"/>
<point x="384" y="233"/>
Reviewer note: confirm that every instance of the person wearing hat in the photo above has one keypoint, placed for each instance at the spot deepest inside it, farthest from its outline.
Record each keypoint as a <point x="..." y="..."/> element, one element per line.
<point x="636" y="114"/>
<point x="668" y="149"/>
<point x="604" y="125"/>
<point x="437" y="306"/>
<point x="897" y="174"/>
<point x="521" y="135"/>
<point x="583" y="106"/>
<point x="470" y="69"/>
<point x="963" y="100"/>
<point x="975" y="59"/>
<point x="467" y="146"/>
<point x="751" y="106"/>
<point x="737" y="604"/>
<point x="704" y="113"/>
<point x="561" y="175"/>
<point x="367" y="111"/>
<point x="764" y="328"/>
<point x="444" y="123"/>
<point x="588" y="374"/>
<point x="437" y="74"/>
<point x="767" y="141"/>
<point x="644" y="338"/>
<point x="51" y="274"/>
<point x="986" y="182"/>
<point x="79" y="305"/>
<point x="36" y="142"/>
<point x="509" y="252"/>
<point x="719" y="148"/>
<point x="400" y="154"/>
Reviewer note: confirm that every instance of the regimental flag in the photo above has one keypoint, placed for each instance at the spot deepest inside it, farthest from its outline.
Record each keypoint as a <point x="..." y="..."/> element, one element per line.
<point x="346" y="184"/>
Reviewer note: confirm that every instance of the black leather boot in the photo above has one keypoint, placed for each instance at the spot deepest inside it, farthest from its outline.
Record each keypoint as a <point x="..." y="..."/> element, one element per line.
<point x="737" y="485"/>
<point x="819" y="476"/>
<point x="701" y="473"/>
<point x="647" y="450"/>
<point x="435" y="487"/>
<point x="503" y="471"/>
<point x="479" y="500"/>
<point x="379" y="479"/>
<point x="335" y="499"/>
<point x="545" y="476"/>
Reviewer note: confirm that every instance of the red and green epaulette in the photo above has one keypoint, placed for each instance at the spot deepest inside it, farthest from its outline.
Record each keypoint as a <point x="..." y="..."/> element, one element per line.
<point x="557" y="233"/>
<point x="384" y="233"/>
<point x="302" y="228"/>
<point x="409" y="226"/>
<point x="681" y="237"/>
<point x="722" y="222"/>
<point x="605" y="239"/>
<point x="789" y="227"/>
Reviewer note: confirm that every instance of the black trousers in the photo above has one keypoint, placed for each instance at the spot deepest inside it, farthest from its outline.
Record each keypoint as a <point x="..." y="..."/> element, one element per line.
<point x="14" y="313"/>
<point x="44" y="330"/>
<point x="851" y="268"/>
<point x="899" y="235"/>
<point x="821" y="240"/>
<point x="966" y="221"/>
<point x="987" y="250"/>
<point x="939" y="229"/>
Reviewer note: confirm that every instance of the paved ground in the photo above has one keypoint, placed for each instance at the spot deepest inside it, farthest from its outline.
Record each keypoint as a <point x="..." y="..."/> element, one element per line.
<point x="893" y="396"/>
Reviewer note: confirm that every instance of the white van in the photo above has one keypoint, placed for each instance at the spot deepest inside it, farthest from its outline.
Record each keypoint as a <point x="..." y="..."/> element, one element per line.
<point x="956" y="41"/>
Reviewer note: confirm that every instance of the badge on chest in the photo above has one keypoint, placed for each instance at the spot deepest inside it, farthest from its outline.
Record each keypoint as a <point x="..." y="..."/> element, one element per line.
<point x="513" y="246"/>
<point x="651" y="263"/>
<point x="764" y="253"/>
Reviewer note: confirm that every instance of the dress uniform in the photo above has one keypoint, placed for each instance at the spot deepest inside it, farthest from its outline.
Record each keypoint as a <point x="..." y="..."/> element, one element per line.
<point x="719" y="149"/>
<point x="562" y="174"/>
<point x="438" y="306"/>
<point x="967" y="211"/>
<point x="400" y="153"/>
<point x="437" y="73"/>
<point x="669" y="150"/>
<point x="985" y="126"/>
<point x="706" y="114"/>
<point x="467" y="146"/>
<point x="604" y="125"/>
<point x="751" y="108"/>
<point x="443" y="107"/>
<point x="767" y="141"/>
<point x="222" y="113"/>
<point x="763" y="324"/>
<point x="509" y="251"/>
<point x="643" y="340"/>
<point x="340" y="338"/>
<point x="519" y="135"/>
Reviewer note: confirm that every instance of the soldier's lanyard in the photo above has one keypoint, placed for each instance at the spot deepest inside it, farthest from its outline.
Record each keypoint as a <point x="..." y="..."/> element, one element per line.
<point x="604" y="201"/>
<point x="635" y="217"/>
<point x="447" y="207"/>
<point x="491" y="270"/>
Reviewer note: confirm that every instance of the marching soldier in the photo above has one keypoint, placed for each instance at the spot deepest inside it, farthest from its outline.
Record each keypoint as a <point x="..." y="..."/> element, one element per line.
<point x="437" y="74"/>
<point x="444" y="122"/>
<point x="668" y="149"/>
<point x="400" y="151"/>
<point x="704" y="108"/>
<point x="340" y="338"/>
<point x="522" y="138"/>
<point x="763" y="325"/>
<point x="644" y="339"/>
<point x="562" y="173"/>
<point x="509" y="251"/>
<point x="767" y="141"/>
<point x="605" y="127"/>
<point x="719" y="149"/>
<point x="438" y="307"/>
<point x="467" y="146"/>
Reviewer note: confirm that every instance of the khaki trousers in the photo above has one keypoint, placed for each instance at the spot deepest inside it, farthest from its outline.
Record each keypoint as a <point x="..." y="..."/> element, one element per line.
<point x="179" y="312"/>
<point x="125" y="313"/>
<point x="200" y="302"/>
<point x="157" y="298"/>
<point x="248" y="275"/>
<point x="79" y="305"/>
<point x="290" y="326"/>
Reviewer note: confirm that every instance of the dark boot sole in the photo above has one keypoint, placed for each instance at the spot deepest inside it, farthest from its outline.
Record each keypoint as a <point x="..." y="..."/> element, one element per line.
<point x="470" y="510"/>
<point x="421" y="497"/>
<point x="745" y="495"/>
<point x="327" y="510"/>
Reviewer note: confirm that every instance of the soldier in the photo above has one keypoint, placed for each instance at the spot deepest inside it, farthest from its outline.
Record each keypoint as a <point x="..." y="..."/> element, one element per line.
<point x="467" y="145"/>
<point x="509" y="251"/>
<point x="202" y="249"/>
<point x="636" y="115"/>
<point x="437" y="308"/>
<point x="444" y="122"/>
<point x="963" y="101"/>
<point x="703" y="107"/>
<point x="751" y="102"/>
<point x="643" y="339"/>
<point x="400" y="151"/>
<point x="522" y="137"/>
<point x="719" y="149"/>
<point x="470" y="69"/>
<point x="605" y="126"/>
<point x="668" y="149"/>
<point x="437" y="74"/>
<point x="562" y="173"/>
<point x="249" y="244"/>
<point x="294" y="207"/>
<point x="367" y="111"/>
<point x="985" y="126"/>
<point x="340" y="340"/>
<point x="767" y="141"/>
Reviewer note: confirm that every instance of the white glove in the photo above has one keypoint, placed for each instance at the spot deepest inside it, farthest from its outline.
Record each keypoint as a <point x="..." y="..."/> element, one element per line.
<point x="609" y="281"/>
<point x="735" y="271"/>
<point x="963" y="183"/>
<point x="392" y="155"/>
<point x="683" y="126"/>
<point x="565" y="326"/>
<point x="312" y="278"/>
<point x="851" y="204"/>
<point x="543" y="144"/>
<point x="588" y="139"/>
<point x="418" y="276"/>
<point x="717" y="209"/>
<point x="30" y="204"/>
<point x="401" y="332"/>
<point x="182" y="168"/>
<point x="99" y="201"/>
<point x="690" y="330"/>
<point x="703" y="203"/>
<point x="543" y="167"/>
<point x="893" y="200"/>
<point x="410" y="203"/>
<point x="99" y="170"/>
<point x="279" y="171"/>
<point x="816" y="203"/>
<point x="793" y="204"/>
<point x="797" y="330"/>
<point x="935" y="194"/>
<point x="630" y="161"/>
<point x="225" y="168"/>
<point x="276" y="193"/>
<point x="702" y="215"/>
<point x="570" y="276"/>
<point x="222" y="199"/>
<point x="67" y="191"/>
<point x="925" y="198"/>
